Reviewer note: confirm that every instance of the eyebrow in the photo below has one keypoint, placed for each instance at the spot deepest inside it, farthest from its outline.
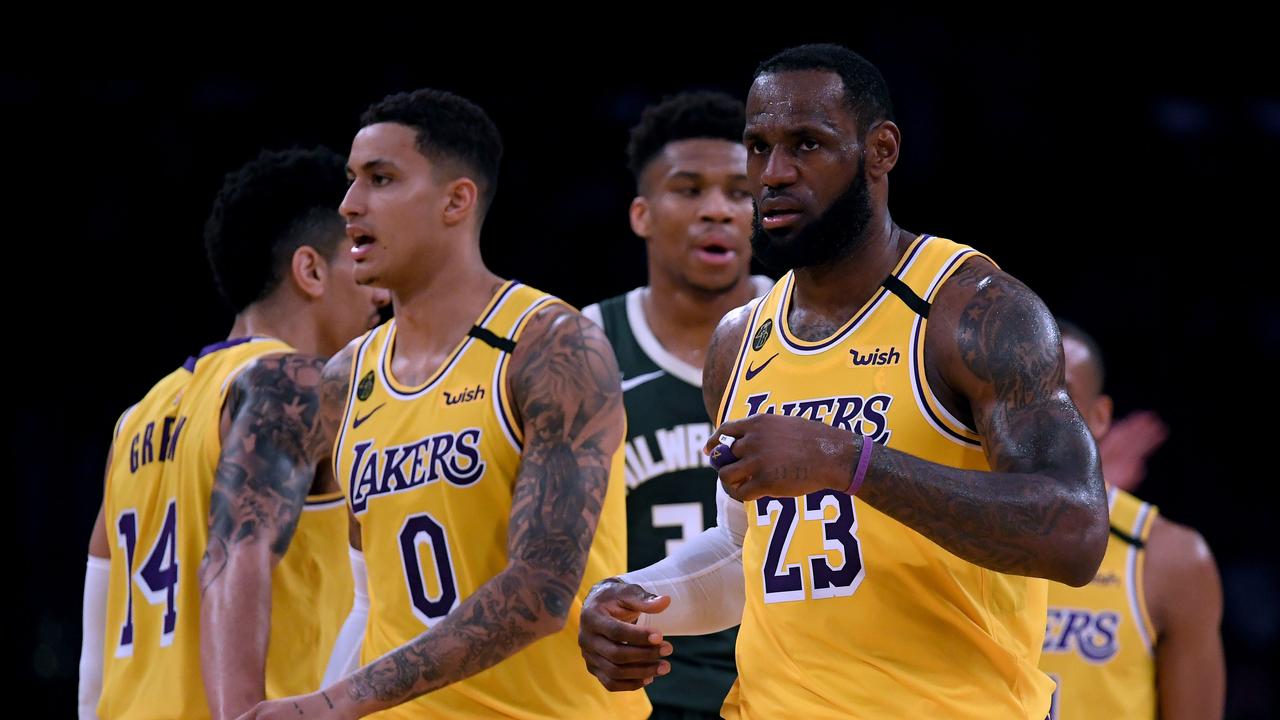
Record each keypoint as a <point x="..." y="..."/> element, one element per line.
<point x="695" y="176"/>
<point x="808" y="127"/>
<point x="685" y="175"/>
<point x="821" y="125"/>
<point x="372" y="165"/>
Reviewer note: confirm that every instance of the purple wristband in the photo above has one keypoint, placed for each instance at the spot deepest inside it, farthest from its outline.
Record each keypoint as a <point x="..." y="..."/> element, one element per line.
<point x="864" y="461"/>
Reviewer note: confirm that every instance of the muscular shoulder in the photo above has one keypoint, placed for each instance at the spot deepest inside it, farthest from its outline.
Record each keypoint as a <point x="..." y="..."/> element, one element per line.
<point x="298" y="394"/>
<point x="563" y="360"/>
<point x="725" y="343"/>
<point x="336" y="377"/>
<point x="560" y="335"/>
<point x="984" y="320"/>
<point x="1180" y="572"/>
<point x="282" y="377"/>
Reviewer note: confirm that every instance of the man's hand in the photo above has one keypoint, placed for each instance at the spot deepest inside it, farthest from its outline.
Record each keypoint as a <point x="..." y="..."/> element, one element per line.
<point x="1127" y="445"/>
<point x="780" y="456"/>
<point x="621" y="655"/>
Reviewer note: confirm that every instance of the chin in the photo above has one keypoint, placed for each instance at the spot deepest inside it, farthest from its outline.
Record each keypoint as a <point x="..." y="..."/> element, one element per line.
<point x="786" y="235"/>
<point x="714" y="282"/>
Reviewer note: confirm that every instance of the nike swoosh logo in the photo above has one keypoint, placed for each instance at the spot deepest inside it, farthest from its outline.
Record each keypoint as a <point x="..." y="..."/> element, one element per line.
<point x="633" y="382"/>
<point x="752" y="372"/>
<point x="360" y="420"/>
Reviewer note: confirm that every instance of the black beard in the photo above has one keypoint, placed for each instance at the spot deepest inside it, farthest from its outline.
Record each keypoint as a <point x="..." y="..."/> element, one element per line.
<point x="832" y="236"/>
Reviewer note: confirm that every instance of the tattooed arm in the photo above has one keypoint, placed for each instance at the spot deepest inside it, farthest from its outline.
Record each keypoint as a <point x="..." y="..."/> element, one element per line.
<point x="273" y="437"/>
<point x="1042" y="510"/>
<point x="993" y="352"/>
<point x="698" y="586"/>
<point x="564" y="383"/>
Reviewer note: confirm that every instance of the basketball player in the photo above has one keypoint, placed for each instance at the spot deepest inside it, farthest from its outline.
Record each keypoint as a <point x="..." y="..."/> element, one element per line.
<point x="480" y="446"/>
<point x="897" y="368"/>
<point x="693" y="209"/>
<point x="1142" y="639"/>
<point x="217" y="545"/>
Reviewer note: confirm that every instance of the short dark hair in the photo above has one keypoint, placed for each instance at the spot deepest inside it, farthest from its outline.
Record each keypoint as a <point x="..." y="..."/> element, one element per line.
<point x="265" y="211"/>
<point x="1073" y="331"/>
<point x="865" y="91"/>
<point x="450" y="130"/>
<point x="688" y="115"/>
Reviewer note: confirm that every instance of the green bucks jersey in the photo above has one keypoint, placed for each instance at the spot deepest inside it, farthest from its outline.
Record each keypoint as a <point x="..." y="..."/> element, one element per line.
<point x="671" y="487"/>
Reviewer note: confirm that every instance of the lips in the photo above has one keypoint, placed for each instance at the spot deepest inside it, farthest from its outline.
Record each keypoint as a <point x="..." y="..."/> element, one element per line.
<point x="362" y="241"/>
<point x="355" y="231"/>
<point x="716" y="255"/>
<point x="778" y="212"/>
<point x="716" y="248"/>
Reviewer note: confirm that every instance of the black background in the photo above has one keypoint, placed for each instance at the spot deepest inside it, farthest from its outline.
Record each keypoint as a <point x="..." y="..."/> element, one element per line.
<point x="1124" y="173"/>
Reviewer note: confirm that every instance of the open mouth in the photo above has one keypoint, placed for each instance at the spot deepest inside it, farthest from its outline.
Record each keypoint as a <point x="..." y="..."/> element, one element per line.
<point x="361" y="244"/>
<point x="716" y="253"/>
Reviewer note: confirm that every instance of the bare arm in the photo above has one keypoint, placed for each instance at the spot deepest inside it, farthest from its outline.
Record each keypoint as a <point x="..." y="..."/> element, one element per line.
<point x="93" y="618"/>
<point x="1041" y="511"/>
<point x="564" y="381"/>
<point x="99" y="543"/>
<point x="345" y="656"/>
<point x="1184" y="596"/>
<point x="272" y="441"/>
<point x="705" y="573"/>
<point x="353" y="532"/>
<point x="726" y="341"/>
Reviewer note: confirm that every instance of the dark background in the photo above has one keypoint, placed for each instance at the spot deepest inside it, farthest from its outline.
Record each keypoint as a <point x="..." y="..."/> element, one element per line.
<point x="1126" y="174"/>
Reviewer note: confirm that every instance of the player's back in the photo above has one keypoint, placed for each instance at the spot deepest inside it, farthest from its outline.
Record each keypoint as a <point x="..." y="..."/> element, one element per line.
<point x="164" y="454"/>
<point x="1099" y="641"/>
<point x="139" y="677"/>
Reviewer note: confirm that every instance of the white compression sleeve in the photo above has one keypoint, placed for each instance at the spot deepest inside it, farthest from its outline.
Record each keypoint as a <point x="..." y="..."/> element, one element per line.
<point x="97" y="576"/>
<point x="703" y="577"/>
<point x="346" y="649"/>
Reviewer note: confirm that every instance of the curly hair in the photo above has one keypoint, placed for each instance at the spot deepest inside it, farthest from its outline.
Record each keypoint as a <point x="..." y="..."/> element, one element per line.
<point x="685" y="116"/>
<point x="265" y="211"/>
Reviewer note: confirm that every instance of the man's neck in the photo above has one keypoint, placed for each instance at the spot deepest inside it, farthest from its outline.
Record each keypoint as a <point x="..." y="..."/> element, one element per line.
<point x="282" y="319"/>
<point x="837" y="290"/>
<point x="683" y="318"/>
<point x="431" y="317"/>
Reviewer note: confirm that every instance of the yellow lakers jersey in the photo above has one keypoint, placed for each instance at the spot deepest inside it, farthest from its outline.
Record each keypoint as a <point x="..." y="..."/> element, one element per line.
<point x="1099" y="643"/>
<point x="157" y="495"/>
<point x="429" y="473"/>
<point x="850" y="613"/>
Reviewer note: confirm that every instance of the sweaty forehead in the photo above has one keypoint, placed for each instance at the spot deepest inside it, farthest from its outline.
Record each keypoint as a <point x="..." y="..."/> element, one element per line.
<point x="798" y="97"/>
